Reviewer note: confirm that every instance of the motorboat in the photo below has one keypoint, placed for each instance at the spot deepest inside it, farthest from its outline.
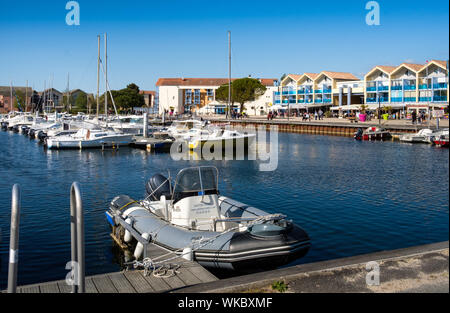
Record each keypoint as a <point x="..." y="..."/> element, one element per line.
<point x="372" y="133"/>
<point x="89" y="138"/>
<point x="18" y="121"/>
<point x="220" y="137"/>
<point x="441" y="138"/>
<point x="192" y="220"/>
<point x="179" y="129"/>
<point x="422" y="136"/>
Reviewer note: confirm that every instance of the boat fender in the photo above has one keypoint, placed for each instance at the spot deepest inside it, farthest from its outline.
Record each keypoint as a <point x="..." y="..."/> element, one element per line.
<point x="140" y="247"/>
<point x="127" y="237"/>
<point x="188" y="254"/>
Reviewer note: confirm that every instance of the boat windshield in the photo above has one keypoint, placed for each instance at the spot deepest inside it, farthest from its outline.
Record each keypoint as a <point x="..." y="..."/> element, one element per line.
<point x="196" y="181"/>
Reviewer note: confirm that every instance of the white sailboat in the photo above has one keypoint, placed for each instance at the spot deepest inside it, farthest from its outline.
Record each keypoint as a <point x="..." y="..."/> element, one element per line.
<point x="92" y="137"/>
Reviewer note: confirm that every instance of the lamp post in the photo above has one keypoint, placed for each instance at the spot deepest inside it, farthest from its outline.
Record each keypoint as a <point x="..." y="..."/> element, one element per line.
<point x="379" y="110"/>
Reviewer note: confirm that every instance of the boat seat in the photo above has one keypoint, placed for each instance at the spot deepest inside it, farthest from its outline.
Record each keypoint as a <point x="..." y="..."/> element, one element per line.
<point x="159" y="185"/>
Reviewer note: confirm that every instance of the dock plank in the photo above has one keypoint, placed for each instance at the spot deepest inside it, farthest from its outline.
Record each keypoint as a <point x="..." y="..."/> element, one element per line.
<point x="157" y="283"/>
<point x="104" y="284"/>
<point x="49" y="287"/>
<point x="139" y="283"/>
<point x="202" y="274"/>
<point x="121" y="283"/>
<point x="29" y="289"/>
<point x="188" y="277"/>
<point x="174" y="282"/>
<point x="90" y="287"/>
<point x="63" y="287"/>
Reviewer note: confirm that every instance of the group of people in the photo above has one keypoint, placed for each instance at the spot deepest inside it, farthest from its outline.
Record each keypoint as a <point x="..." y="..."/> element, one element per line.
<point x="318" y="115"/>
<point x="418" y="118"/>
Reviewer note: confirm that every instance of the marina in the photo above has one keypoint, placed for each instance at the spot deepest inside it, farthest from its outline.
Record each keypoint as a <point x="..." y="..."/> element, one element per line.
<point x="402" y="213"/>
<point x="223" y="155"/>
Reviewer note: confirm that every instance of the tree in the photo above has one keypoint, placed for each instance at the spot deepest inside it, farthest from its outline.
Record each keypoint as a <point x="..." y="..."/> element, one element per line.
<point x="242" y="90"/>
<point x="247" y="89"/>
<point x="125" y="98"/>
<point x="81" y="103"/>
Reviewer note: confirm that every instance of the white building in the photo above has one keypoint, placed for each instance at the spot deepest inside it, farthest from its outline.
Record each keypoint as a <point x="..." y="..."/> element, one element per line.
<point x="180" y="95"/>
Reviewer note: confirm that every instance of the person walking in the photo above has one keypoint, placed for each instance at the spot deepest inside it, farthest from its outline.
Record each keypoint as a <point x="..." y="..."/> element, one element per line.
<point x="320" y="114"/>
<point x="315" y="115"/>
<point x="414" y="116"/>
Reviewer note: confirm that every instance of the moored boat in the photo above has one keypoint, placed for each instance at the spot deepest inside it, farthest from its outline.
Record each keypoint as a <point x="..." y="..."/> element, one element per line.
<point x="193" y="221"/>
<point x="372" y="133"/>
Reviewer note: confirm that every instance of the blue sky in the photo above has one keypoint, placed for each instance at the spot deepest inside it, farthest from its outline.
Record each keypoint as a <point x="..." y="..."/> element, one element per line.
<point x="171" y="38"/>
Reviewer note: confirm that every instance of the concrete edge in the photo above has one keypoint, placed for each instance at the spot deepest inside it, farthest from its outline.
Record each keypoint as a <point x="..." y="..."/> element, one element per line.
<point x="266" y="278"/>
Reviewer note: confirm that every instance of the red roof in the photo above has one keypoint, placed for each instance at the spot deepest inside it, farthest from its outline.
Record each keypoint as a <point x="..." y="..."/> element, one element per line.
<point x="147" y="92"/>
<point x="204" y="81"/>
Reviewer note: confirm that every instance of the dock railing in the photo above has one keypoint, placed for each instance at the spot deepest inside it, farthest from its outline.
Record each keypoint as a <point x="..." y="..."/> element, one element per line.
<point x="77" y="240"/>
<point x="14" y="240"/>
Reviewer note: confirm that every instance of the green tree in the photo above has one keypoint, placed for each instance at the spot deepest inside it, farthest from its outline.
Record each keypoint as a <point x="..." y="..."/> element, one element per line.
<point x="247" y="89"/>
<point x="124" y="99"/>
<point x="80" y="104"/>
<point x="242" y="90"/>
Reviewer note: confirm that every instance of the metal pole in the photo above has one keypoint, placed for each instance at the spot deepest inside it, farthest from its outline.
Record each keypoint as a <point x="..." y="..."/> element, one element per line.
<point x="98" y="76"/>
<point x="76" y="206"/>
<point x="106" y="77"/>
<point x="14" y="240"/>
<point x="145" y="125"/>
<point x="379" y="110"/>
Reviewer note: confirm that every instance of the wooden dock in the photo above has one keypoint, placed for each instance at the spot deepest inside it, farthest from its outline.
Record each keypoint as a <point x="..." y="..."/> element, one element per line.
<point x="133" y="281"/>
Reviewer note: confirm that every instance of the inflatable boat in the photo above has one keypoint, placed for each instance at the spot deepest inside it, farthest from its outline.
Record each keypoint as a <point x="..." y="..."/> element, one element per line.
<point x="189" y="218"/>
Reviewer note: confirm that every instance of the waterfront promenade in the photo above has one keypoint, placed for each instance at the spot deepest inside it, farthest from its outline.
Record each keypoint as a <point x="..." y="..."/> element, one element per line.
<point x="407" y="124"/>
<point x="415" y="269"/>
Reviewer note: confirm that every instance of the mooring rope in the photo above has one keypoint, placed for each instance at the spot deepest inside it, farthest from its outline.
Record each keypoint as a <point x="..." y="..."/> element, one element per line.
<point x="163" y="269"/>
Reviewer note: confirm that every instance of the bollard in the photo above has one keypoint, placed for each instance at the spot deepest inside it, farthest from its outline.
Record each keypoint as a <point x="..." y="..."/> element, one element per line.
<point x="77" y="237"/>
<point x="14" y="240"/>
<point x="145" y="131"/>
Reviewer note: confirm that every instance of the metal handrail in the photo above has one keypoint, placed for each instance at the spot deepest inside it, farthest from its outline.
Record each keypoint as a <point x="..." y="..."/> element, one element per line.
<point x="77" y="238"/>
<point x="14" y="239"/>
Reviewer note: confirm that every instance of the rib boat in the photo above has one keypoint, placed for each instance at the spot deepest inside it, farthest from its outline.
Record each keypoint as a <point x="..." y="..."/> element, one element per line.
<point x="192" y="220"/>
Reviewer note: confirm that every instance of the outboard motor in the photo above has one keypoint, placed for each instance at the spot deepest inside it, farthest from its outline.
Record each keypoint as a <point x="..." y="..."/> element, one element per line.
<point x="358" y="134"/>
<point x="158" y="186"/>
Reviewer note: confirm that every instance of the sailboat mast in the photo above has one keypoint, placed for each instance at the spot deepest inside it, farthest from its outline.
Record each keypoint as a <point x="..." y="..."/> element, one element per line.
<point x="12" y="102"/>
<point x="106" y="76"/>
<point x="98" y="77"/>
<point x="229" y="74"/>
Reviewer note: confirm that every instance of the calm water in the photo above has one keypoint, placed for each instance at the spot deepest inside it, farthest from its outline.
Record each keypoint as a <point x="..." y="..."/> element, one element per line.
<point x="351" y="197"/>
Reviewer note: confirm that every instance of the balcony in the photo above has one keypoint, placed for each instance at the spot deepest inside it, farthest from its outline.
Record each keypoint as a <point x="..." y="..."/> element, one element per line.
<point x="277" y="93"/>
<point x="424" y="86"/>
<point x="277" y="101"/>
<point x="318" y="101"/>
<point x="439" y="98"/>
<point x="301" y="101"/>
<point x="308" y="91"/>
<point x="318" y="91"/>
<point x="383" y="99"/>
<point x="410" y="87"/>
<point x="326" y="100"/>
<point x="301" y="92"/>
<point x="285" y="101"/>
<point x="410" y="99"/>
<point x="327" y="91"/>
<point x="424" y="99"/>
<point x="371" y="100"/>
<point x="397" y="99"/>
<point x="383" y="88"/>
<point x="440" y="86"/>
<point x="292" y="101"/>
<point x="396" y="87"/>
<point x="285" y="92"/>
<point x="371" y="89"/>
